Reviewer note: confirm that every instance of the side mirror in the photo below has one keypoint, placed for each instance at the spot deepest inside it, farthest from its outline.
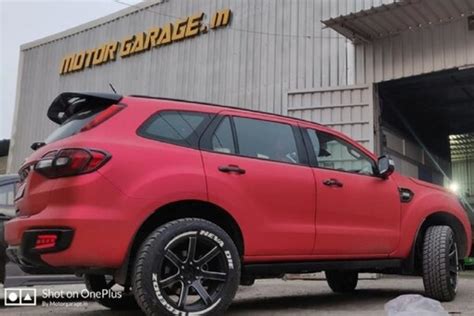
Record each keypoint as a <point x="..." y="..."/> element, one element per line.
<point x="386" y="167"/>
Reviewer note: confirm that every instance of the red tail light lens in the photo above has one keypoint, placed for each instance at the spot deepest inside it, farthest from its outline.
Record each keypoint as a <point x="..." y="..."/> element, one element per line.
<point x="46" y="241"/>
<point x="103" y="116"/>
<point x="71" y="162"/>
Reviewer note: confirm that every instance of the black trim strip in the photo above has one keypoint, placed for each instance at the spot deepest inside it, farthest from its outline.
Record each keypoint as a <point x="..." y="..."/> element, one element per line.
<point x="317" y="266"/>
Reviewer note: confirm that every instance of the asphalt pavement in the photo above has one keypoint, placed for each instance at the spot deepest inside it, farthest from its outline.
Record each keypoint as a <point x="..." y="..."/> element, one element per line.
<point x="279" y="297"/>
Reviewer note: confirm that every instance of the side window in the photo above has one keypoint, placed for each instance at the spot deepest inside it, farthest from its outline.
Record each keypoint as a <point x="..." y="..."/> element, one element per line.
<point x="334" y="153"/>
<point x="222" y="139"/>
<point x="266" y="140"/>
<point x="178" y="127"/>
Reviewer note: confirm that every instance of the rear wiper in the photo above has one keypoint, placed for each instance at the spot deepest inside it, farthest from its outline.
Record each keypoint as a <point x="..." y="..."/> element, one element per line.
<point x="37" y="145"/>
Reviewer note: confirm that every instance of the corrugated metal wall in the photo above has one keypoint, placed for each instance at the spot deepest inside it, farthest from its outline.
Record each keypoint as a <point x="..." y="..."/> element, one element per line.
<point x="348" y="109"/>
<point x="421" y="51"/>
<point x="271" y="46"/>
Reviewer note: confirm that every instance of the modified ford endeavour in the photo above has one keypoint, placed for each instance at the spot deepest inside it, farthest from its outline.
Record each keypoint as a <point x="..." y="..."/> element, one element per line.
<point x="173" y="204"/>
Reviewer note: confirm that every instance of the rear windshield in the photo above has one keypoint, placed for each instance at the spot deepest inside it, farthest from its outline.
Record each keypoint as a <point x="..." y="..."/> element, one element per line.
<point x="72" y="125"/>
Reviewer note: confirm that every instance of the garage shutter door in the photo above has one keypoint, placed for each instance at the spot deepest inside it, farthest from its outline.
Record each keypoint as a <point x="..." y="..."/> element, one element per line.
<point x="348" y="109"/>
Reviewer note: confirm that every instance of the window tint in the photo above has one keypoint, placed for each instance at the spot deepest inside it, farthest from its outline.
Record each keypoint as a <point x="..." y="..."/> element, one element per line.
<point x="222" y="140"/>
<point x="266" y="140"/>
<point x="178" y="127"/>
<point x="334" y="153"/>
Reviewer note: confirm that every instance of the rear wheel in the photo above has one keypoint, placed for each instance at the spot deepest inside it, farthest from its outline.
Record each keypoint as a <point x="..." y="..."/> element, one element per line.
<point x="342" y="281"/>
<point x="107" y="293"/>
<point x="186" y="266"/>
<point x="440" y="263"/>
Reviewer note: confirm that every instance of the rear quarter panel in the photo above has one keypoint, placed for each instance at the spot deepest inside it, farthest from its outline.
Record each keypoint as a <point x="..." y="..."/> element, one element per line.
<point x="155" y="172"/>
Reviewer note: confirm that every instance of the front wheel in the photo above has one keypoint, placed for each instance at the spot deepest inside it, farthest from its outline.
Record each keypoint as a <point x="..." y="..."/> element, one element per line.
<point x="440" y="263"/>
<point x="186" y="266"/>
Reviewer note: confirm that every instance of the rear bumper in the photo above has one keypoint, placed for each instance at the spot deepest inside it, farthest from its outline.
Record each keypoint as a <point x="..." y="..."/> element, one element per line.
<point x="28" y="258"/>
<point x="102" y="219"/>
<point x="98" y="241"/>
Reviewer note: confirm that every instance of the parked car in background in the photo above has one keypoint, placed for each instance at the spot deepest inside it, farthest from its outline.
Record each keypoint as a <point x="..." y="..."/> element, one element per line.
<point x="10" y="273"/>
<point x="7" y="211"/>
<point x="179" y="202"/>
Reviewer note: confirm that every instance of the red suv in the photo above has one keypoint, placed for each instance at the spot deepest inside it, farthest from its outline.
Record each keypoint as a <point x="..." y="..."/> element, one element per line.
<point x="180" y="202"/>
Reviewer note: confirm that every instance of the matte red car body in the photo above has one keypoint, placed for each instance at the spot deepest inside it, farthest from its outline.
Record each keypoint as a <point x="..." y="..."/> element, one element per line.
<point x="282" y="210"/>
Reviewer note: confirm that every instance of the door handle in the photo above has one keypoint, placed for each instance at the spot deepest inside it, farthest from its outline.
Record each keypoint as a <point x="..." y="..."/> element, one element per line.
<point x="333" y="183"/>
<point x="231" y="169"/>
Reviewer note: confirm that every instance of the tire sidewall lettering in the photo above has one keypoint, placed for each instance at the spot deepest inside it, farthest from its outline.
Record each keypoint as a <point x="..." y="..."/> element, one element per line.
<point x="220" y="242"/>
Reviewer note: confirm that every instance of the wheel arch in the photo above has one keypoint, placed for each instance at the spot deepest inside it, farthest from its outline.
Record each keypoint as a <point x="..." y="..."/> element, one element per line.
<point x="435" y="219"/>
<point x="176" y="210"/>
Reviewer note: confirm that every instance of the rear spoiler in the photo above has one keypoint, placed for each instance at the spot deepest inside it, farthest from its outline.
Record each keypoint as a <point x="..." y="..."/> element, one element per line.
<point x="69" y="103"/>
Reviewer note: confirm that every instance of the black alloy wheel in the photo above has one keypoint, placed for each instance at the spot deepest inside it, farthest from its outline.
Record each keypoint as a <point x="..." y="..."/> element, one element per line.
<point x="188" y="266"/>
<point x="193" y="272"/>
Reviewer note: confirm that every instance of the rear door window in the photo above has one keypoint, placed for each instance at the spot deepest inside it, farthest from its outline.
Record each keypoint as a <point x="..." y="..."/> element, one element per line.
<point x="266" y="140"/>
<point x="177" y="127"/>
<point x="222" y="139"/>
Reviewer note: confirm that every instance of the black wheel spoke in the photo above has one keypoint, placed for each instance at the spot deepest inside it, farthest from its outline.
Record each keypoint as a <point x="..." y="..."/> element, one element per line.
<point x="202" y="292"/>
<point x="216" y="276"/>
<point x="183" y="296"/>
<point x="170" y="280"/>
<point x="171" y="256"/>
<point x="191" y="249"/>
<point x="208" y="256"/>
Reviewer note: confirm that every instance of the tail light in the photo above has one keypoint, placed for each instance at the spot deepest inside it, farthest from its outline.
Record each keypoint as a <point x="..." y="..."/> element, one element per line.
<point x="46" y="241"/>
<point x="103" y="116"/>
<point x="71" y="162"/>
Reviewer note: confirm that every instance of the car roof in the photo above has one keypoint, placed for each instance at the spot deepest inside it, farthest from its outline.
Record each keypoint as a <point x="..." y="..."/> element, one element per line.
<point x="231" y="107"/>
<point x="9" y="179"/>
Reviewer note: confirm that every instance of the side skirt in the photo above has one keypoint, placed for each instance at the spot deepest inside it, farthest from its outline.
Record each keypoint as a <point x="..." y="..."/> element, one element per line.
<point x="262" y="270"/>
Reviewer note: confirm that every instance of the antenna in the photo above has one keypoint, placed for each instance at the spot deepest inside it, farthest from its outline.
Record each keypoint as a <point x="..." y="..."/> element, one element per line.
<point x="112" y="87"/>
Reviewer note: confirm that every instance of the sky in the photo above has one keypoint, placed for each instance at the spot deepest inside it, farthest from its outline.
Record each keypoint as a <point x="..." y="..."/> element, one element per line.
<point x="23" y="21"/>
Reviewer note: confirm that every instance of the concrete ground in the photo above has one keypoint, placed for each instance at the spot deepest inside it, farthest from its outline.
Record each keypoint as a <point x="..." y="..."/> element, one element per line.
<point x="279" y="297"/>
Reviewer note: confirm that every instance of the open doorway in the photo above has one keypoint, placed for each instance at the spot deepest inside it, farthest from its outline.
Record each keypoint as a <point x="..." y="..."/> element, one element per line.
<point x="427" y="126"/>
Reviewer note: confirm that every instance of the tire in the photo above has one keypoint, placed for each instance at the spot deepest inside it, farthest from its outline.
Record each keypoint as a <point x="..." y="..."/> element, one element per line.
<point x="342" y="281"/>
<point x="118" y="300"/>
<point x="183" y="259"/>
<point x="440" y="263"/>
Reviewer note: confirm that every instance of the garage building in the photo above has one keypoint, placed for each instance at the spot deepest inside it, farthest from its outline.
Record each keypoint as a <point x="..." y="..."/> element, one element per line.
<point x="398" y="76"/>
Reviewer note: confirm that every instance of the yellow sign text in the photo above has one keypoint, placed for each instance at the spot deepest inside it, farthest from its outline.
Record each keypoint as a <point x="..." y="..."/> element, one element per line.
<point x="153" y="38"/>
